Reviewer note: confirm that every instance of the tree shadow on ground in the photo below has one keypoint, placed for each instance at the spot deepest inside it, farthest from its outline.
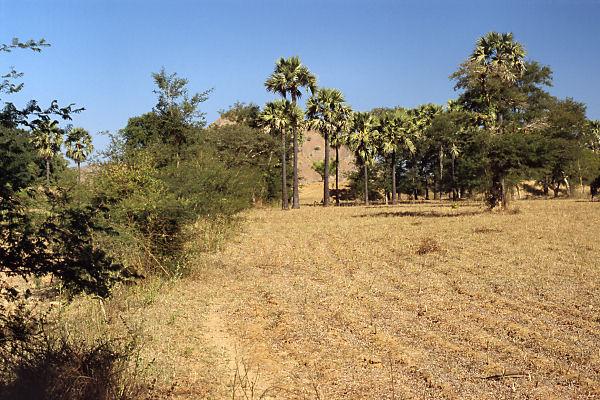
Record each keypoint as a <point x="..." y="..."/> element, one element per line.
<point x="424" y="214"/>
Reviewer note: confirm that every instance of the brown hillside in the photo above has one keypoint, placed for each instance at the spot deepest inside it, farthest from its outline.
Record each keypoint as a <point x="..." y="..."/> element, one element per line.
<point x="313" y="149"/>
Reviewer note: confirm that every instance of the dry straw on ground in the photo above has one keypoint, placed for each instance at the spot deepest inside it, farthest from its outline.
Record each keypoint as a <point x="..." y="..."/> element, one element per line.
<point x="337" y="304"/>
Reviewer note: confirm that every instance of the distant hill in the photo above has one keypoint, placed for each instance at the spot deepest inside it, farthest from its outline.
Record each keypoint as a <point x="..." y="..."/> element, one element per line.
<point x="311" y="150"/>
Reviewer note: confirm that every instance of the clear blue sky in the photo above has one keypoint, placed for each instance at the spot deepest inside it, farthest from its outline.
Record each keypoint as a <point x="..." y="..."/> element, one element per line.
<point x="378" y="52"/>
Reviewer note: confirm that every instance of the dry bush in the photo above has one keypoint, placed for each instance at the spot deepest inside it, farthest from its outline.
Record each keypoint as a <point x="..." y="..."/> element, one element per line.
<point x="35" y="364"/>
<point x="428" y="245"/>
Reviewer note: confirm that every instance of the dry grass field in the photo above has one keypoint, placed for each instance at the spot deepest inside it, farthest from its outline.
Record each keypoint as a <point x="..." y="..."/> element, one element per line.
<point x="415" y="301"/>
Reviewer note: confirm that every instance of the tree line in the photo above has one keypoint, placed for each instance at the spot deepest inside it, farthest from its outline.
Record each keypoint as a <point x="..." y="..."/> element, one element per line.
<point x="504" y="127"/>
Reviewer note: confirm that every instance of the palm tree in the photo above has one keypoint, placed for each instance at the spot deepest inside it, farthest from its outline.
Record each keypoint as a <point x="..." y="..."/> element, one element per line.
<point x="343" y="125"/>
<point x="416" y="124"/>
<point x="47" y="139"/>
<point x="322" y="110"/>
<point x="79" y="147"/>
<point x="498" y="57"/>
<point x="289" y="77"/>
<point x="363" y="139"/>
<point x="394" y="135"/>
<point x="278" y="117"/>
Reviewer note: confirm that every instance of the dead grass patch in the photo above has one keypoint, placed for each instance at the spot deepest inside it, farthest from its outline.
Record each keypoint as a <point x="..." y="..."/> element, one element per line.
<point x="428" y="245"/>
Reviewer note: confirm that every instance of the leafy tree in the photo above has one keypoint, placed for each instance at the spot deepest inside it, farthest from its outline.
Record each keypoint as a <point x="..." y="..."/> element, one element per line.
<point x="176" y="110"/>
<point x="289" y="77"/>
<point x="444" y="137"/>
<point x="564" y="134"/>
<point x="319" y="168"/>
<point x="18" y="159"/>
<point x="32" y="114"/>
<point x="363" y="141"/>
<point x="502" y="90"/>
<point x="141" y="131"/>
<point x="238" y="146"/>
<point x="47" y="139"/>
<point x="323" y="110"/>
<point x="242" y="113"/>
<point x="593" y="136"/>
<point x="79" y="147"/>
<point x="54" y="238"/>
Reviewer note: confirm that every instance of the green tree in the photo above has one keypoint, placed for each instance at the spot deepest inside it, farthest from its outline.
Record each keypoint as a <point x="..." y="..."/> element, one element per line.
<point x="177" y="111"/>
<point x="79" y="147"/>
<point x="503" y="91"/>
<point x="47" y="139"/>
<point x="242" y="113"/>
<point x="363" y="141"/>
<point x="323" y="110"/>
<point x="255" y="152"/>
<point x="564" y="134"/>
<point x="289" y="77"/>
<point x="142" y="131"/>
<point x="32" y="114"/>
<point x="58" y="241"/>
<point x="319" y="168"/>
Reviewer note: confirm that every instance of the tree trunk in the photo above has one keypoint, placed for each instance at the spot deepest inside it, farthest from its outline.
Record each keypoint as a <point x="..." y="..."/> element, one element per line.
<point x="441" y="159"/>
<point x="454" y="190"/>
<point x="296" y="195"/>
<point x="337" y="175"/>
<point x="394" y="193"/>
<point x="504" y="194"/>
<point x="284" y="188"/>
<point x="556" y="189"/>
<point x="580" y="178"/>
<point x="48" y="172"/>
<point x="366" y="184"/>
<point x="326" y="168"/>
<point x="568" y="186"/>
<point x="78" y="172"/>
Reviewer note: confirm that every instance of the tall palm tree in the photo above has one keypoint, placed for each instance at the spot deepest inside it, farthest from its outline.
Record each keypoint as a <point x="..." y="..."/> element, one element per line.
<point x="416" y="124"/>
<point x="363" y="141"/>
<point x="79" y="147"/>
<point x="394" y="135"/>
<point x="322" y="110"/>
<point x="343" y="125"/>
<point x="278" y="117"/>
<point x="289" y="78"/>
<point x="47" y="139"/>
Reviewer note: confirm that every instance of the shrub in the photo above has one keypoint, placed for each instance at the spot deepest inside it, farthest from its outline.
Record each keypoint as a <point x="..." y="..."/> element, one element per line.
<point x="35" y="365"/>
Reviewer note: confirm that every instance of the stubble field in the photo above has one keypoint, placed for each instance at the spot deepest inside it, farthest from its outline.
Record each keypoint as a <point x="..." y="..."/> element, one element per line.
<point x="414" y="301"/>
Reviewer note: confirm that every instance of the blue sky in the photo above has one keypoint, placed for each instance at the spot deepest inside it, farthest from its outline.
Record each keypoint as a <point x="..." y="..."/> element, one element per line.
<point x="378" y="52"/>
